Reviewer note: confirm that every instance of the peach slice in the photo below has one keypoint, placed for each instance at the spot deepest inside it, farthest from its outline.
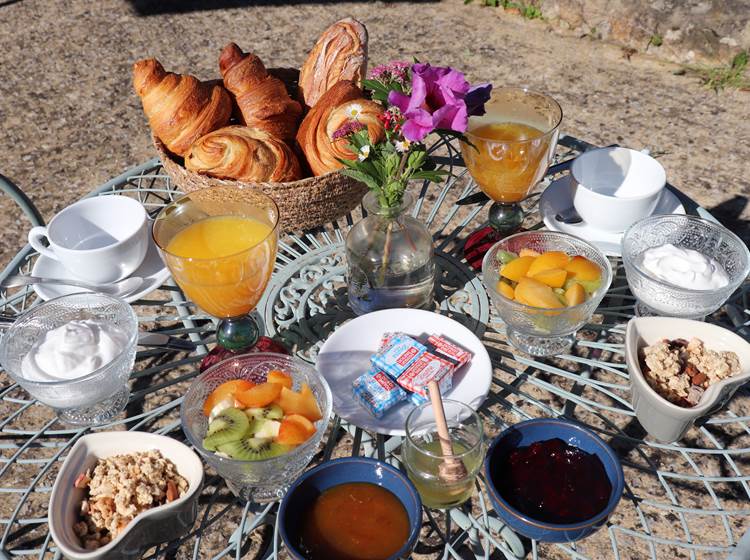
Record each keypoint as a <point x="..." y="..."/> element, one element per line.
<point x="553" y="277"/>
<point x="292" y="432"/>
<point x="575" y="294"/>
<point x="223" y="391"/>
<point x="260" y="395"/>
<point x="506" y="289"/>
<point x="583" y="269"/>
<point x="534" y="293"/>
<point x="308" y="426"/>
<point x="517" y="268"/>
<point x="303" y="403"/>
<point x="547" y="261"/>
<point x="278" y="376"/>
<point x="528" y="253"/>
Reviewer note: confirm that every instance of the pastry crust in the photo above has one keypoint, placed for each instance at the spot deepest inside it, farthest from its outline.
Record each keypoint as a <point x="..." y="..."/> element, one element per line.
<point x="180" y="108"/>
<point x="262" y="99"/>
<point x="339" y="54"/>
<point x="244" y="154"/>
<point x="338" y="106"/>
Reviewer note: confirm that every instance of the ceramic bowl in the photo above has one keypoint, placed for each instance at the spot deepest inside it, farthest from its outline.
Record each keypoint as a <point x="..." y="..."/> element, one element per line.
<point x="614" y="187"/>
<point x="540" y="429"/>
<point x="655" y="296"/>
<point x="265" y="480"/>
<point x="664" y="421"/>
<point x="159" y="524"/>
<point x="310" y="485"/>
<point x="534" y="330"/>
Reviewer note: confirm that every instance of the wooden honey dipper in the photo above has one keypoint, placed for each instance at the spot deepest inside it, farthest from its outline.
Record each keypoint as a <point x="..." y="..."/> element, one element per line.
<point x="452" y="469"/>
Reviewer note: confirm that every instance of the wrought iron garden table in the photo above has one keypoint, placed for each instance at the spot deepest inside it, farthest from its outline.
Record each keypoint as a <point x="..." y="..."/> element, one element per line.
<point x="684" y="500"/>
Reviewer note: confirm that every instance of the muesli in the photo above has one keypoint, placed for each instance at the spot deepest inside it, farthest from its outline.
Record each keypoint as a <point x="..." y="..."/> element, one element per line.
<point x="681" y="371"/>
<point x="119" y="488"/>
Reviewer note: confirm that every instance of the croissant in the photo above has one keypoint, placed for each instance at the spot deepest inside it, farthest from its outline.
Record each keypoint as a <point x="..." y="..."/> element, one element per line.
<point x="262" y="99"/>
<point x="339" y="54"/>
<point x="244" y="154"/>
<point x="342" y="103"/>
<point x="180" y="108"/>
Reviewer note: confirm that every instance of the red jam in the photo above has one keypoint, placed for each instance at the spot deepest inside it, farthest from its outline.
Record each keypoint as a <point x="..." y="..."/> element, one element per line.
<point x="554" y="482"/>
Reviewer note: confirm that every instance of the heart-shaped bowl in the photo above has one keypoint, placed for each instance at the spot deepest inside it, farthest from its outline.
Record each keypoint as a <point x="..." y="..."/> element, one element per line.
<point x="156" y="525"/>
<point x="664" y="421"/>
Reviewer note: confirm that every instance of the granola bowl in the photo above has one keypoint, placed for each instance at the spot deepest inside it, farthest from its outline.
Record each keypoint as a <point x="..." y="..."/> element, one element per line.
<point x="664" y="421"/>
<point x="152" y="526"/>
<point x="264" y="480"/>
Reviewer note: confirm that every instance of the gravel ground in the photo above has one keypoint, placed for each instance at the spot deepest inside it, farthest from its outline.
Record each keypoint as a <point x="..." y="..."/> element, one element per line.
<point x="71" y="120"/>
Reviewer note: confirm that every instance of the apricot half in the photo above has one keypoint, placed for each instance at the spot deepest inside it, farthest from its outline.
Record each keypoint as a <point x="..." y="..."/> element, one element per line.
<point x="517" y="268"/>
<point x="223" y="391"/>
<point x="260" y="395"/>
<point x="583" y="269"/>
<point x="575" y="294"/>
<point x="553" y="277"/>
<point x="532" y="292"/>
<point x="506" y="289"/>
<point x="303" y="403"/>
<point x="547" y="261"/>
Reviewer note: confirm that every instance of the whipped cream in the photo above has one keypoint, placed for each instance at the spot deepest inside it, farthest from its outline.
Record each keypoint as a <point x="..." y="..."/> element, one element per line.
<point x="685" y="268"/>
<point x="73" y="350"/>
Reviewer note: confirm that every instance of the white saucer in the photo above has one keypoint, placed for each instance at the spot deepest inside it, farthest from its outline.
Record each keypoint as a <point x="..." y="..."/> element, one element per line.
<point x="346" y="355"/>
<point x="559" y="196"/>
<point x="152" y="270"/>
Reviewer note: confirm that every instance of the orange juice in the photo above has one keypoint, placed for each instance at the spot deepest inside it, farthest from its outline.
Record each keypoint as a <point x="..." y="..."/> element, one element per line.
<point x="509" y="159"/>
<point x="223" y="263"/>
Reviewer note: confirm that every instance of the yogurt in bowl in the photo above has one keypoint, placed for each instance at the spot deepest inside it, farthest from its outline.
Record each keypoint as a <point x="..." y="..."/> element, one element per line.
<point x="74" y="354"/>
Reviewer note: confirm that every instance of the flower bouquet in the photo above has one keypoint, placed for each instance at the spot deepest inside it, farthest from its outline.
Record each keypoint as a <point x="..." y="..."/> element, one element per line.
<point x="389" y="254"/>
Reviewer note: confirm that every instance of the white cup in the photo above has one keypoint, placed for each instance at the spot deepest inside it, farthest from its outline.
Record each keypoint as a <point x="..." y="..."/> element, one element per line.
<point x="100" y="239"/>
<point x="615" y="187"/>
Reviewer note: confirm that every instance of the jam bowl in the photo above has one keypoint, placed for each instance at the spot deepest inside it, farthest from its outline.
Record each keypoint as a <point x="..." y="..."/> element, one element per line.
<point x="658" y="297"/>
<point x="600" y="490"/>
<point x="664" y="421"/>
<point x="308" y="487"/>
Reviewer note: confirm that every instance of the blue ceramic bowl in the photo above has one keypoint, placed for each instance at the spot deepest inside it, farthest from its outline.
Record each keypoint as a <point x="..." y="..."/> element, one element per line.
<point x="312" y="483"/>
<point x="540" y="429"/>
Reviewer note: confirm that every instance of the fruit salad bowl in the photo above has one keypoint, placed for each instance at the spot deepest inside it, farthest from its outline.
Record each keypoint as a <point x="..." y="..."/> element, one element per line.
<point x="236" y="425"/>
<point x="545" y="285"/>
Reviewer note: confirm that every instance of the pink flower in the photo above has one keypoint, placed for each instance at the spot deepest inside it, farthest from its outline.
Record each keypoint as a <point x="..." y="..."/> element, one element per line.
<point x="347" y="129"/>
<point x="437" y="101"/>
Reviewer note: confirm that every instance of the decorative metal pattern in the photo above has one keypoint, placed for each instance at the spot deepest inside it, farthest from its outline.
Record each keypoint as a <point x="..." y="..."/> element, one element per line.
<point x="686" y="500"/>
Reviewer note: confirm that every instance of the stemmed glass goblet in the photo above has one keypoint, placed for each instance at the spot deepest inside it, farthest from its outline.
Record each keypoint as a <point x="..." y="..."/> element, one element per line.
<point x="220" y="246"/>
<point x="511" y="147"/>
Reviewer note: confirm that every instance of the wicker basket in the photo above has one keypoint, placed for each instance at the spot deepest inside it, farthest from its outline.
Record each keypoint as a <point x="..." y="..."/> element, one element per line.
<point x="303" y="204"/>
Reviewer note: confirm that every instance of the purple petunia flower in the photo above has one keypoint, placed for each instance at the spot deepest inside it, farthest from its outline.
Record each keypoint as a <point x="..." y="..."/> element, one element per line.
<point x="441" y="98"/>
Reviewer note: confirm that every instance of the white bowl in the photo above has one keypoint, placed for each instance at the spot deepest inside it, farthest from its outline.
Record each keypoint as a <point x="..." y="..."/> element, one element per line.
<point x="615" y="187"/>
<point x="156" y="525"/>
<point x="664" y="421"/>
<point x="346" y="355"/>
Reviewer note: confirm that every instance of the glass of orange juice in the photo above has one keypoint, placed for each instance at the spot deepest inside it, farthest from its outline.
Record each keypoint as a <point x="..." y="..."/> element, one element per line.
<point x="511" y="146"/>
<point x="220" y="246"/>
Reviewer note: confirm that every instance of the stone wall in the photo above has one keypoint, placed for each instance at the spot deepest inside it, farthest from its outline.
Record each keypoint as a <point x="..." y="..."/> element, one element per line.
<point x="685" y="31"/>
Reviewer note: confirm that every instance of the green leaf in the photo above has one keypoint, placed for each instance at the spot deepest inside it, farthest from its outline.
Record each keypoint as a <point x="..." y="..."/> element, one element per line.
<point x="362" y="178"/>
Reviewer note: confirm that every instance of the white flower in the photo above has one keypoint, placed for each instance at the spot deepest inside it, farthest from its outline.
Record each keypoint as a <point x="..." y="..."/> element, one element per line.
<point x="364" y="153"/>
<point x="402" y="145"/>
<point x="354" y="110"/>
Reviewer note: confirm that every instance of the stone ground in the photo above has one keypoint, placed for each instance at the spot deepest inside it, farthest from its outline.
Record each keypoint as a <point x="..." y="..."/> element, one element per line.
<point x="71" y="121"/>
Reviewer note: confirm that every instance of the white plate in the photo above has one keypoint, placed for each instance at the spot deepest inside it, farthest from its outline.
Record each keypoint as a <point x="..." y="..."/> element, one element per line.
<point x="346" y="355"/>
<point x="559" y="196"/>
<point x="152" y="270"/>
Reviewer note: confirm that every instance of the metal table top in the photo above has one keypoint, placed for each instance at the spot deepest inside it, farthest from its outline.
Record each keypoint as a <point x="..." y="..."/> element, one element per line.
<point x="682" y="500"/>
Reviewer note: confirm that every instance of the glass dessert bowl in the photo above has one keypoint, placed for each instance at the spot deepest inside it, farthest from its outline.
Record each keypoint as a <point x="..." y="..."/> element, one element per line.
<point x="85" y="400"/>
<point x="657" y="296"/>
<point x="539" y="319"/>
<point x="264" y="479"/>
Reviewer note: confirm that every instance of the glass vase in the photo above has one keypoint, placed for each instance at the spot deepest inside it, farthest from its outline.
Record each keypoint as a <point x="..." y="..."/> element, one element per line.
<point x="389" y="259"/>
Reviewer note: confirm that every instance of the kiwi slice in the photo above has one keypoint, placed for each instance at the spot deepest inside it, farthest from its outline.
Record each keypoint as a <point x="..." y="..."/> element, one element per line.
<point x="253" y="449"/>
<point x="270" y="412"/>
<point x="230" y="425"/>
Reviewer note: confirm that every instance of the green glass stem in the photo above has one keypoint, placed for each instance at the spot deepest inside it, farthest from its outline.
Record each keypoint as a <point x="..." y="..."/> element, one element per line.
<point x="237" y="333"/>
<point x="506" y="218"/>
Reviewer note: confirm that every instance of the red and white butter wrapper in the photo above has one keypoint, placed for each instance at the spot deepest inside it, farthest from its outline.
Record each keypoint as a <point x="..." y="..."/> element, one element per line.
<point x="424" y="369"/>
<point x="449" y="350"/>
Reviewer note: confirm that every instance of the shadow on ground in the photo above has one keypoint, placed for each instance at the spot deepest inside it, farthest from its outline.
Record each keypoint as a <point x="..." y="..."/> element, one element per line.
<point x="156" y="7"/>
<point x="729" y="212"/>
